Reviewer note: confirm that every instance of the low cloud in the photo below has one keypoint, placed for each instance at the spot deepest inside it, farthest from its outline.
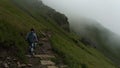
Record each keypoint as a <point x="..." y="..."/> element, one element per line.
<point x="106" y="12"/>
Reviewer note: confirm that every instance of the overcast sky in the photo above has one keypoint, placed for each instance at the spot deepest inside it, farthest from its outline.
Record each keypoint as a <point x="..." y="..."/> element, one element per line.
<point x="107" y="12"/>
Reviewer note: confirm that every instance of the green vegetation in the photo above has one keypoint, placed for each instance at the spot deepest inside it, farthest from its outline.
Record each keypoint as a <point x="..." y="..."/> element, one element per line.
<point x="15" y="22"/>
<point x="106" y="41"/>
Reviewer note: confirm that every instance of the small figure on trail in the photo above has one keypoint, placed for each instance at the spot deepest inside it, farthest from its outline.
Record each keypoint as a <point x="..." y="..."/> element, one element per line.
<point x="32" y="40"/>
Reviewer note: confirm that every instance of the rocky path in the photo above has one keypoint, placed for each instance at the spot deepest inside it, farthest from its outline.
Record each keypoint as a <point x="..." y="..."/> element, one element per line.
<point x="44" y="58"/>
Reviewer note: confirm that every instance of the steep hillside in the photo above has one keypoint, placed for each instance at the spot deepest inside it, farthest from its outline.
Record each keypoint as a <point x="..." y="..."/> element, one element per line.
<point x="105" y="40"/>
<point x="17" y="17"/>
<point x="38" y="9"/>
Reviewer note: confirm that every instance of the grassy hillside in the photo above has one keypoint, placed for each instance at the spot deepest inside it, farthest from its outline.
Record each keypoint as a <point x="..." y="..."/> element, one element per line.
<point x="106" y="41"/>
<point x="15" y="23"/>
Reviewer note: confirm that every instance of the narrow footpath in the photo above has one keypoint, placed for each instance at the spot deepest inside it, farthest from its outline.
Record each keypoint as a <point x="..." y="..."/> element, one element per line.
<point x="44" y="57"/>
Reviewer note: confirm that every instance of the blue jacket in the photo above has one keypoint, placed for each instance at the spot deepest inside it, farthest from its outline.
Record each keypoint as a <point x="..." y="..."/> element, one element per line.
<point x="31" y="37"/>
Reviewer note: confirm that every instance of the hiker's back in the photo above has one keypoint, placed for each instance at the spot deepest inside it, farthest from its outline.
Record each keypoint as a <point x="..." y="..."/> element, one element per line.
<point x="31" y="37"/>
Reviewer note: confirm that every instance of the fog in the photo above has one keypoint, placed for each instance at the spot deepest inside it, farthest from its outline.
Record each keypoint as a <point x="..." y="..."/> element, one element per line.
<point x="106" y="12"/>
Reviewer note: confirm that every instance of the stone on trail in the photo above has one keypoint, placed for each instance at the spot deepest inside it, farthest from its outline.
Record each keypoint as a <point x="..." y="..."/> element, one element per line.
<point x="44" y="56"/>
<point x="63" y="66"/>
<point x="47" y="62"/>
<point x="14" y="59"/>
<point x="44" y="39"/>
<point x="52" y="67"/>
<point x="21" y="65"/>
<point x="29" y="65"/>
<point x="18" y="63"/>
<point x="8" y="58"/>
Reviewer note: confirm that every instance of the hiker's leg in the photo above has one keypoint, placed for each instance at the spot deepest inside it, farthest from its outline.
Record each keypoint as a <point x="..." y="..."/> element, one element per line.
<point x="35" y="45"/>
<point x="30" y="44"/>
<point x="32" y="49"/>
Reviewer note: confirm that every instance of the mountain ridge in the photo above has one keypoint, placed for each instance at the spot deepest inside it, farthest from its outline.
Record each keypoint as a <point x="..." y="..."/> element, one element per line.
<point x="15" y="23"/>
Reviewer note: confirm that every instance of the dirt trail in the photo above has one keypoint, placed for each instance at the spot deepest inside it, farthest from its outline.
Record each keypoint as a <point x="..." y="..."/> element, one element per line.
<point x="44" y="56"/>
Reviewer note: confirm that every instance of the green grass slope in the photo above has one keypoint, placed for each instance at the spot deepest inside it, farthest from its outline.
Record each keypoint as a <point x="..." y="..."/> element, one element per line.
<point x="15" y="23"/>
<point x="106" y="41"/>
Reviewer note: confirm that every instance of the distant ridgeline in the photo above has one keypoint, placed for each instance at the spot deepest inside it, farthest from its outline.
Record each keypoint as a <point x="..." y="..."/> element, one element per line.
<point x="38" y="9"/>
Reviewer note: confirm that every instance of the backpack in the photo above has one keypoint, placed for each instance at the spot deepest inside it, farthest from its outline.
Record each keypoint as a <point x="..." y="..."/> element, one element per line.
<point x="31" y="37"/>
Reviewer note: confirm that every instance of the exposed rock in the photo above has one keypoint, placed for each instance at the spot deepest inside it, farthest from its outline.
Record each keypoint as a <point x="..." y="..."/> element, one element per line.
<point x="47" y="62"/>
<point x="8" y="58"/>
<point x="18" y="63"/>
<point x="52" y="67"/>
<point x="44" y="56"/>
<point x="29" y="65"/>
<point x="23" y="65"/>
<point x="63" y="66"/>
<point x="14" y="59"/>
<point x="44" y="39"/>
